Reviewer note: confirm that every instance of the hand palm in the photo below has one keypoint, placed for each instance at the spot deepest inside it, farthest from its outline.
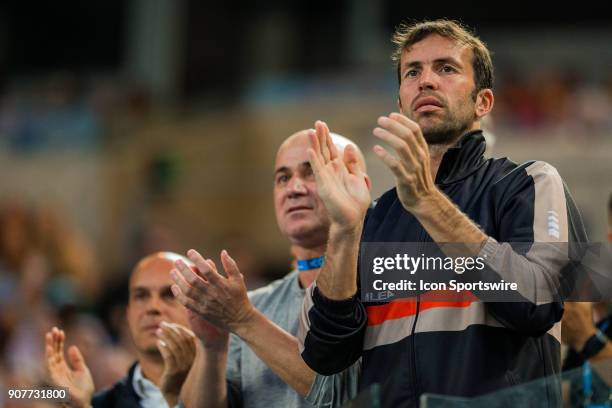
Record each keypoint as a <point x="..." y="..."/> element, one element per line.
<point x="345" y="195"/>
<point x="78" y="381"/>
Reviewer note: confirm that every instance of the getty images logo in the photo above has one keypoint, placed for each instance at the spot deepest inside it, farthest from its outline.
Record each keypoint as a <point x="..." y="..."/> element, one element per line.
<point x="553" y="224"/>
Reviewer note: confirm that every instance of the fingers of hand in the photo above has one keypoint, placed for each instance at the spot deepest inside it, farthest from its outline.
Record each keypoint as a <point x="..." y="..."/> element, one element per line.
<point x="322" y="136"/>
<point x="401" y="139"/>
<point x="206" y="269"/>
<point x="179" y="294"/>
<point x="50" y="350"/>
<point x="179" y="343"/>
<point x="315" y="145"/>
<point x="169" y="361"/>
<point x="167" y="349"/>
<point x="333" y="150"/>
<point x="195" y="276"/>
<point x="58" y="340"/>
<point x="188" y="339"/>
<point x="394" y="164"/>
<point x="229" y="265"/>
<point x="315" y="162"/>
<point x="54" y="348"/>
<point x="350" y="159"/>
<point x="414" y="127"/>
<point x="190" y="284"/>
<point x="76" y="358"/>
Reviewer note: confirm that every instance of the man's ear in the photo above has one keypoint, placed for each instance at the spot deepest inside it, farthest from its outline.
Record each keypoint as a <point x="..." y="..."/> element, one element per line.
<point x="484" y="103"/>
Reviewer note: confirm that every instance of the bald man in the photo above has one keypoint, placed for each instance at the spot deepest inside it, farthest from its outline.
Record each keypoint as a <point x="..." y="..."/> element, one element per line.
<point x="264" y="368"/>
<point x="165" y="348"/>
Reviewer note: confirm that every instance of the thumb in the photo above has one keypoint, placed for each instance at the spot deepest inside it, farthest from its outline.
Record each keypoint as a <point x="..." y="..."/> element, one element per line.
<point x="77" y="362"/>
<point x="350" y="159"/>
<point x="229" y="265"/>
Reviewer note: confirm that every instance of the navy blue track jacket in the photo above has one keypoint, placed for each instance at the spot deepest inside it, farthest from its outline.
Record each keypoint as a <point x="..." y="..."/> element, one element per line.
<point x="455" y="348"/>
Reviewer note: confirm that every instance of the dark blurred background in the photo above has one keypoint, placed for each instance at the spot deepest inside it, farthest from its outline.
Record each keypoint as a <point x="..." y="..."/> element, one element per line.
<point x="131" y="126"/>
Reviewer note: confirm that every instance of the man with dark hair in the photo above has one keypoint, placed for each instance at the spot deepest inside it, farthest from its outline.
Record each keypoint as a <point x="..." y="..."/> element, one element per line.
<point x="406" y="35"/>
<point x="446" y="192"/>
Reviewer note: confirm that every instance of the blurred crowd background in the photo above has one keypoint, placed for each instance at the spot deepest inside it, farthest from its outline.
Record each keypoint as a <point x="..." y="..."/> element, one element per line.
<point x="132" y="126"/>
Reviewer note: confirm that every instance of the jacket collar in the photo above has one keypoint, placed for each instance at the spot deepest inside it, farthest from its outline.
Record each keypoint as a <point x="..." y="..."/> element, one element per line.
<point x="128" y="382"/>
<point x="463" y="159"/>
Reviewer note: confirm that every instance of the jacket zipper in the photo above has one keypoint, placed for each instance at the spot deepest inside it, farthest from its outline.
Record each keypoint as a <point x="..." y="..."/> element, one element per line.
<point x="413" y="333"/>
<point x="415" y="385"/>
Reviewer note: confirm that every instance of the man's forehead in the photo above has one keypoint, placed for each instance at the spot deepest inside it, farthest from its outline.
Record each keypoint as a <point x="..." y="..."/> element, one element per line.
<point x="151" y="281"/>
<point x="153" y="273"/>
<point x="292" y="153"/>
<point x="292" y="167"/>
<point x="434" y="47"/>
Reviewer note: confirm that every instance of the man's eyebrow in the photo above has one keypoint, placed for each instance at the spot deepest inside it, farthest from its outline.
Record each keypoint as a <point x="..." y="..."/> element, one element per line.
<point x="285" y="169"/>
<point x="447" y="60"/>
<point x="412" y="64"/>
<point x="305" y="164"/>
<point x="416" y="64"/>
<point x="282" y="169"/>
<point x="139" y="289"/>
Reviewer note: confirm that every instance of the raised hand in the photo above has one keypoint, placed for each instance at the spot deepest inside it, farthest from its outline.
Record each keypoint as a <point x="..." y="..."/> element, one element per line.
<point x="178" y="348"/>
<point x="76" y="376"/>
<point x="221" y="301"/>
<point x="411" y="167"/>
<point x="340" y="183"/>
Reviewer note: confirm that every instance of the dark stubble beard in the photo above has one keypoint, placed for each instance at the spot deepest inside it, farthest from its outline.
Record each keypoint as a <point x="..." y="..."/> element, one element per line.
<point x="446" y="132"/>
<point x="153" y="353"/>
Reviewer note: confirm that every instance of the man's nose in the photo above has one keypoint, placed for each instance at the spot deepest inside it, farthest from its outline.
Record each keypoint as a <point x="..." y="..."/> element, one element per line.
<point x="428" y="80"/>
<point x="296" y="186"/>
<point x="154" y="305"/>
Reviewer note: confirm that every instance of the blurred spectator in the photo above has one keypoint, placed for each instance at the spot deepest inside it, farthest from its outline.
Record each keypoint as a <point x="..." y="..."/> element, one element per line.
<point x="75" y="273"/>
<point x="587" y="327"/>
<point x="45" y="263"/>
<point x="165" y="347"/>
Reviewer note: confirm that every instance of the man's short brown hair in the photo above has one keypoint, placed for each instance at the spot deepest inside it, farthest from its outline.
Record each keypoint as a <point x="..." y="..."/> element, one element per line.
<point x="407" y="35"/>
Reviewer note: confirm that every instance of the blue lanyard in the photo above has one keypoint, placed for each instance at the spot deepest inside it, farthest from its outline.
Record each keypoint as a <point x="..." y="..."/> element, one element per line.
<point x="308" y="264"/>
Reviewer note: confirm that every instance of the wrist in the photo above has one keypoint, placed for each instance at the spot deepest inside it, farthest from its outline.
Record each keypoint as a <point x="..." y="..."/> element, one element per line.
<point x="247" y="326"/>
<point x="242" y="326"/>
<point x="430" y="205"/>
<point x="344" y="232"/>
<point x="219" y="345"/>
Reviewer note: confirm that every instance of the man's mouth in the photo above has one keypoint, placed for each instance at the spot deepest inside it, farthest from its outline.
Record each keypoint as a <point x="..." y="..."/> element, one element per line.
<point x="427" y="104"/>
<point x="298" y="208"/>
<point x="151" y="327"/>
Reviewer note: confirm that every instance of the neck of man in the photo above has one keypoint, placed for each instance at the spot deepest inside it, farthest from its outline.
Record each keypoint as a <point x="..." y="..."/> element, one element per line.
<point x="437" y="151"/>
<point x="307" y="277"/>
<point x="152" y="367"/>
